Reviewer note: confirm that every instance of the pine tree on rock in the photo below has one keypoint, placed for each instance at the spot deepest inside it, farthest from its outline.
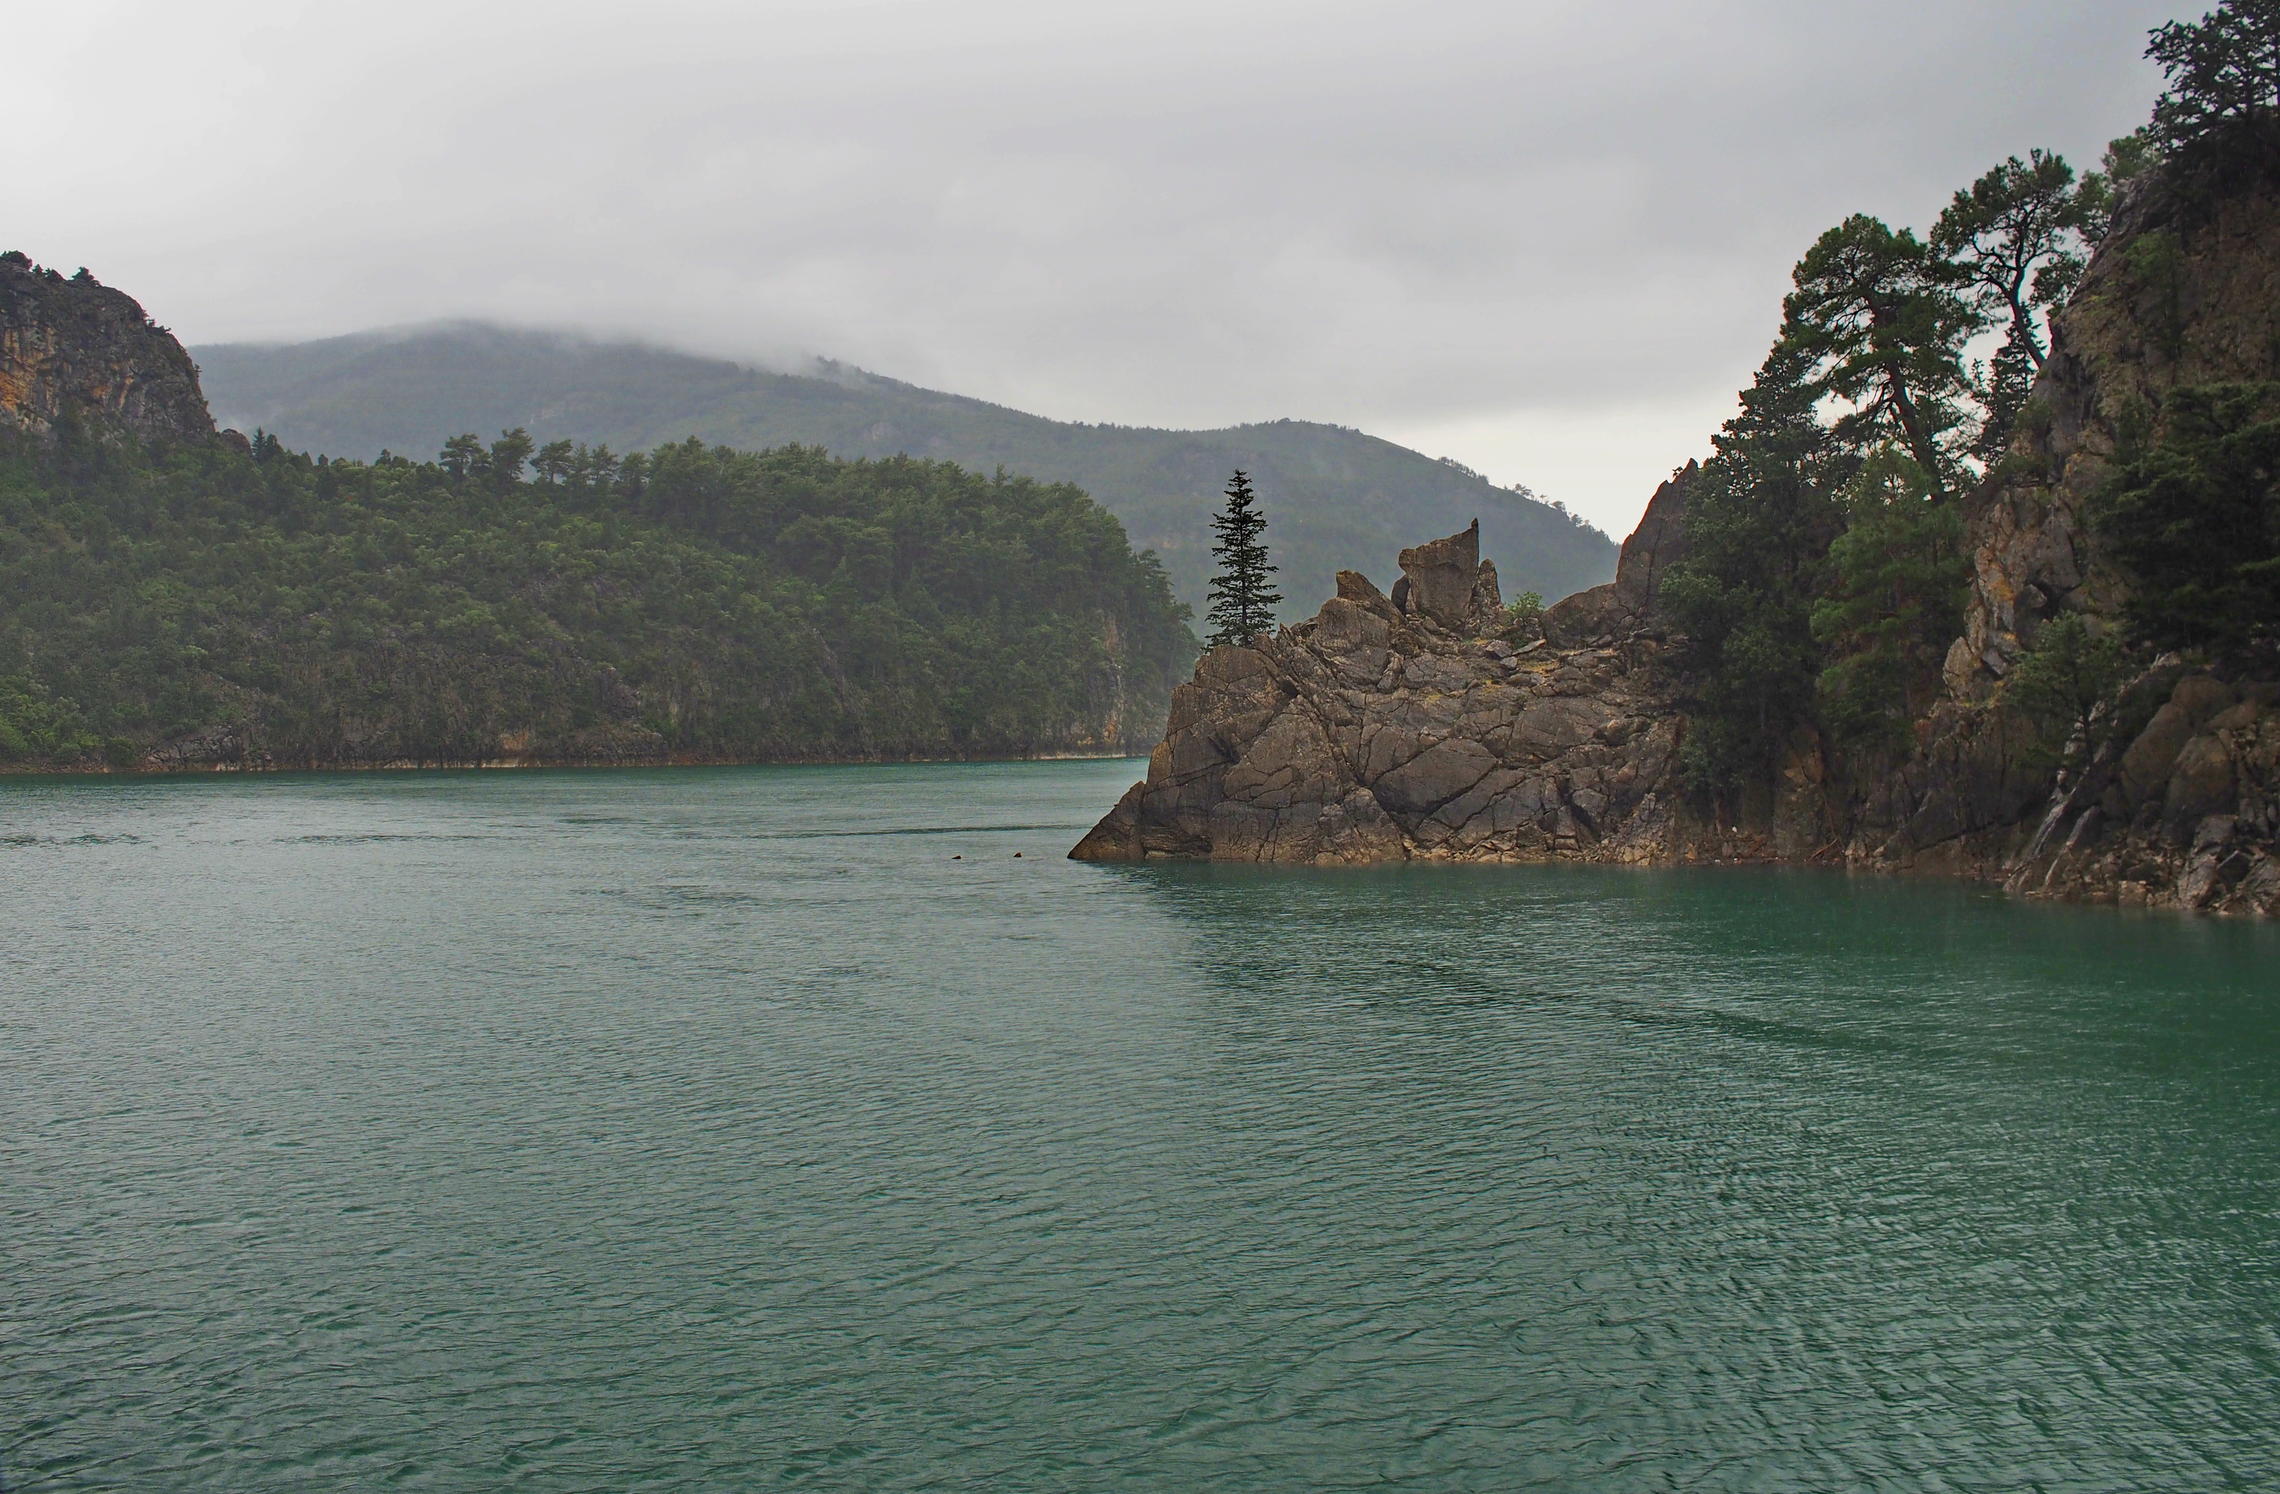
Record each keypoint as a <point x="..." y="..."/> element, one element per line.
<point x="1241" y="605"/>
<point x="1878" y="314"/>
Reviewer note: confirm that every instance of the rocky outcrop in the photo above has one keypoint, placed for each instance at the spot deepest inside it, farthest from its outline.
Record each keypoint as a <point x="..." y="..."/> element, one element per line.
<point x="1627" y="605"/>
<point x="2184" y="290"/>
<point x="2180" y="807"/>
<point x="1445" y="583"/>
<point x="2171" y="804"/>
<point x="1408" y="725"/>
<point x="1379" y="731"/>
<point x="76" y="354"/>
<point x="2186" y="814"/>
<point x="1400" y="727"/>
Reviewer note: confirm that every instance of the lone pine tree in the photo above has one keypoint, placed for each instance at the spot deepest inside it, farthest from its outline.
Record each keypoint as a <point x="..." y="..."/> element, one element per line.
<point x="1241" y="605"/>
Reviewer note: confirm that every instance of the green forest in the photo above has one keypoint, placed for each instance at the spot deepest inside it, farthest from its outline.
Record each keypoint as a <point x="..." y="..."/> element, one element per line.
<point x="1828" y="570"/>
<point x="1336" y="498"/>
<point x="219" y="602"/>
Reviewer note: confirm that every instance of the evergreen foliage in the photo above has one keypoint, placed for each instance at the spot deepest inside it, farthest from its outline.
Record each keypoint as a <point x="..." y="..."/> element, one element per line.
<point x="1523" y="620"/>
<point x="1759" y="520"/>
<point x="1345" y="499"/>
<point x="1892" y="601"/>
<point x="1242" y="603"/>
<point x="693" y="601"/>
<point x="2193" y="520"/>
<point x="2061" y="683"/>
<point x="2015" y="240"/>
<point x="1877" y="313"/>
<point x="1827" y="567"/>
<point x="2222" y="104"/>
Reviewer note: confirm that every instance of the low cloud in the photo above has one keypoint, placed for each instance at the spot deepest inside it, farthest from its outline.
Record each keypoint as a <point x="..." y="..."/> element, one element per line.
<point x="1553" y="242"/>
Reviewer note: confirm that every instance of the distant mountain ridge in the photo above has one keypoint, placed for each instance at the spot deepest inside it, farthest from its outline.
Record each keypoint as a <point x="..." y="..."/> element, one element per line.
<point x="1335" y="498"/>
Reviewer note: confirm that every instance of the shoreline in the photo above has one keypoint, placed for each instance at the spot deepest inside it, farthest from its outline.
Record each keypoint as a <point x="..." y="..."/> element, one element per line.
<point x="147" y="769"/>
<point x="1989" y="875"/>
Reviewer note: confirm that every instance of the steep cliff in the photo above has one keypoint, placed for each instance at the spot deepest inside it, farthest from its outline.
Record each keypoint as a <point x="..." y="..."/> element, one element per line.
<point x="74" y="352"/>
<point x="2174" y="794"/>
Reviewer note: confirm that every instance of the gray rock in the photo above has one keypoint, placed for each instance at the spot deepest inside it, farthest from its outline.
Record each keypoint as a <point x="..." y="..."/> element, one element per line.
<point x="76" y="351"/>
<point x="1439" y="580"/>
<point x="1381" y="729"/>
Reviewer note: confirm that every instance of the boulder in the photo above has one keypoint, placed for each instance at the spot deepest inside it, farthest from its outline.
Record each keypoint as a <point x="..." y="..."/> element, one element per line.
<point x="1439" y="580"/>
<point x="1657" y="544"/>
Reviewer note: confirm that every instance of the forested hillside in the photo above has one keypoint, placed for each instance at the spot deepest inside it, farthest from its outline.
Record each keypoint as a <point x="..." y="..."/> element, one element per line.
<point x="1334" y="498"/>
<point x="169" y="597"/>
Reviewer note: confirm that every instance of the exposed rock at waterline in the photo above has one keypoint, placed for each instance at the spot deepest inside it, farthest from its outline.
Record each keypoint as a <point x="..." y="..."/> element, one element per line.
<point x="1399" y="726"/>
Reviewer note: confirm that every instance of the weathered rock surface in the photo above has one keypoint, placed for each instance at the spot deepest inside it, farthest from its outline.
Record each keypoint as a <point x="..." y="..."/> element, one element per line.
<point x="1371" y="733"/>
<point x="2182" y="291"/>
<point x="2186" y="814"/>
<point x="1626" y="606"/>
<point x="1403" y="726"/>
<point x="1390" y="728"/>
<point x="76" y="353"/>
<point x="2174" y="808"/>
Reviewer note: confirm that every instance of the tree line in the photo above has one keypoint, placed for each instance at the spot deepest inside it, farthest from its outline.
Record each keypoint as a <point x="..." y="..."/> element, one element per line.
<point x="562" y="602"/>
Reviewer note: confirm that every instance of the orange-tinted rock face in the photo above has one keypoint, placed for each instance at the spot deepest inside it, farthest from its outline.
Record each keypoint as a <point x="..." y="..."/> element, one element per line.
<point x="74" y="352"/>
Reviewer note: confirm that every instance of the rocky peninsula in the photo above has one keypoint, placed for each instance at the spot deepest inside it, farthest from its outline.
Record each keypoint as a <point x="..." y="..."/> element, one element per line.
<point x="1409" y="726"/>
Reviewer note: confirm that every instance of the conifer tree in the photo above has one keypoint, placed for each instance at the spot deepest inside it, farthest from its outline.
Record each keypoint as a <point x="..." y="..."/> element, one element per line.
<point x="2016" y="242"/>
<point x="2015" y="239"/>
<point x="1877" y="313"/>
<point x="2223" y="97"/>
<point x="1241" y="605"/>
<point x="1760" y="517"/>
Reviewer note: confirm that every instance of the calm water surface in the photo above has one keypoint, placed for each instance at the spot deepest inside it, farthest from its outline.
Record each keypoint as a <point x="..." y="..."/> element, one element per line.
<point x="715" y="1130"/>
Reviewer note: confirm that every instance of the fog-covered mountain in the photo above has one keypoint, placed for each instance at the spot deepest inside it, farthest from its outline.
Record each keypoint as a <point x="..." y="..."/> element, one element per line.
<point x="1334" y="497"/>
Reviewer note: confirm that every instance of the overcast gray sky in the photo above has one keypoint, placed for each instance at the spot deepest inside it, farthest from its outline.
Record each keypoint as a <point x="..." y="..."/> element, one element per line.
<point x="1548" y="240"/>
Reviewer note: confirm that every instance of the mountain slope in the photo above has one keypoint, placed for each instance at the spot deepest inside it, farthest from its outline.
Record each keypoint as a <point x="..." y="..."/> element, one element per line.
<point x="174" y="597"/>
<point x="1334" y="498"/>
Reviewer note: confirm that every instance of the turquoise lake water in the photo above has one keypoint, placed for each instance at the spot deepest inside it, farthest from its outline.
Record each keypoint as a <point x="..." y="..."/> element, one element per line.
<point x="716" y="1130"/>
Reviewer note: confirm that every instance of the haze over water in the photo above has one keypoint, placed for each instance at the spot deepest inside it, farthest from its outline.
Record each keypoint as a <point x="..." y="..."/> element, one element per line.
<point x="715" y="1129"/>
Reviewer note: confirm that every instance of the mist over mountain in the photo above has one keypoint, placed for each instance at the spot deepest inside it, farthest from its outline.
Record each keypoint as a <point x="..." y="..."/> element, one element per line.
<point x="1335" y="498"/>
<point x="173" y="596"/>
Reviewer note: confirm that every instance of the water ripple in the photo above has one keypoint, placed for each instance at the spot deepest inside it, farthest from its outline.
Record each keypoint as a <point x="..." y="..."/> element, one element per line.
<point x="598" y="1148"/>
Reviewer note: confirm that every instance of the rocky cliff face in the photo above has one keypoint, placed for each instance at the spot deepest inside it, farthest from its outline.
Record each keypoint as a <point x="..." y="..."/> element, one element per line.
<point x="76" y="353"/>
<point x="1404" y="726"/>
<point x="1397" y="727"/>
<point x="2176" y="805"/>
<point x="2181" y="292"/>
